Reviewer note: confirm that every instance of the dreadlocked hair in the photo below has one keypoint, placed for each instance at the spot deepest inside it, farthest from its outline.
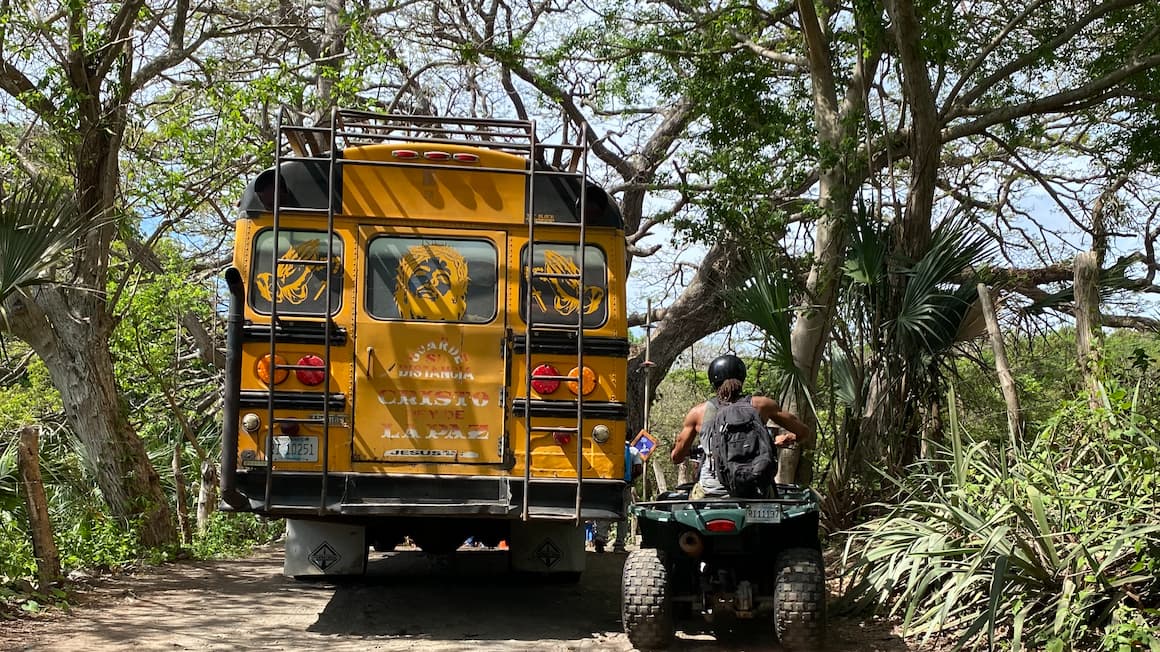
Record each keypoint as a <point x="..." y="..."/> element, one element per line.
<point x="729" y="391"/>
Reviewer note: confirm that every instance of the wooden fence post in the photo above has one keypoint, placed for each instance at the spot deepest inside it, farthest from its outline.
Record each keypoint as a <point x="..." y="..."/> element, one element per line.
<point x="1006" y="380"/>
<point x="43" y="546"/>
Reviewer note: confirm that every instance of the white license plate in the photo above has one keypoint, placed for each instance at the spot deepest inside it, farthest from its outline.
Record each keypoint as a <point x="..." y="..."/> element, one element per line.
<point x="296" y="449"/>
<point x="763" y="513"/>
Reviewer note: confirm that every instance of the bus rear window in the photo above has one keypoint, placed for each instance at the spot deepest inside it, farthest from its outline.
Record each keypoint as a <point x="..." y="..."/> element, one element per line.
<point x="557" y="300"/>
<point x="432" y="279"/>
<point x="301" y="287"/>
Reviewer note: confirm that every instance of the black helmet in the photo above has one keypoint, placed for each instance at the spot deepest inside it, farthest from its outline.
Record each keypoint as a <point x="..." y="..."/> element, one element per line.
<point x="725" y="367"/>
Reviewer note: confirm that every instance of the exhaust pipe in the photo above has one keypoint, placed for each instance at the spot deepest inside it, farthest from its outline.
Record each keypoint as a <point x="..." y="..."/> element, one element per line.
<point x="691" y="544"/>
<point x="229" y="461"/>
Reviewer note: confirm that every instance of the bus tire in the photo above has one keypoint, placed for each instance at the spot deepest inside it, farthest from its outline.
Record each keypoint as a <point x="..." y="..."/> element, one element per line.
<point x="799" y="598"/>
<point x="645" y="604"/>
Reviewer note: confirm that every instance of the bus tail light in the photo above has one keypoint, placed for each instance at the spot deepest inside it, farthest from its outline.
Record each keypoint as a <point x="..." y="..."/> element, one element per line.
<point x="545" y="385"/>
<point x="437" y="156"/>
<point x="309" y="376"/>
<point x="268" y="365"/>
<point x="464" y="157"/>
<point x="587" y="381"/>
<point x="405" y="154"/>
<point x="562" y="438"/>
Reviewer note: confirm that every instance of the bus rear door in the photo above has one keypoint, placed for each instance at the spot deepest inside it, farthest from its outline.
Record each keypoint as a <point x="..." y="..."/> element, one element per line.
<point x="429" y="342"/>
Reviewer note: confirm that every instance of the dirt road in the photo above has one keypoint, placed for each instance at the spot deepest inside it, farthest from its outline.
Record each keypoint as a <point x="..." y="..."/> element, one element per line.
<point x="407" y="601"/>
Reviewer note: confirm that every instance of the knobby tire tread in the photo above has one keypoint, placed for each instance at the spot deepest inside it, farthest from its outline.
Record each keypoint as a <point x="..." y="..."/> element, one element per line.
<point x="646" y="609"/>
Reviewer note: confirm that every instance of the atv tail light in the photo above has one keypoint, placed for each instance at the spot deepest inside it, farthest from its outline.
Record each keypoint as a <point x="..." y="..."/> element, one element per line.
<point x="587" y="381"/>
<point x="309" y="376"/>
<point x="544" y="385"/>
<point x="268" y="365"/>
<point x="721" y="525"/>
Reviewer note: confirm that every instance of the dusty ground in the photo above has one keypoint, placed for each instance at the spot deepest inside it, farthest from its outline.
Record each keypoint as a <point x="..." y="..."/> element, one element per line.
<point x="407" y="601"/>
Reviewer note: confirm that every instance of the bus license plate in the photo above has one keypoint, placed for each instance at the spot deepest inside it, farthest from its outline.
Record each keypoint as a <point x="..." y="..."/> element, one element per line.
<point x="763" y="513"/>
<point x="296" y="449"/>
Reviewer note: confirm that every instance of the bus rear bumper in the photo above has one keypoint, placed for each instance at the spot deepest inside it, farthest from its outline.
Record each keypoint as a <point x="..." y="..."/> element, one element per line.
<point x="296" y="495"/>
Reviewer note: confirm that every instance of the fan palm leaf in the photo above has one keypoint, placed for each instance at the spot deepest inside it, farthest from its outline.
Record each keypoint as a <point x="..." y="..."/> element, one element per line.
<point x="930" y="312"/>
<point x="38" y="222"/>
<point x="764" y="301"/>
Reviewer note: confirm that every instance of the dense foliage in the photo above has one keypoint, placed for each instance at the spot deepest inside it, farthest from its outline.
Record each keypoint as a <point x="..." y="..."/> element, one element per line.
<point x="1053" y="543"/>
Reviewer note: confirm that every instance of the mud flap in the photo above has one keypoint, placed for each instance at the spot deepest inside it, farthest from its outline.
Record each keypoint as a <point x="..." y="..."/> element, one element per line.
<point x="547" y="547"/>
<point x="324" y="549"/>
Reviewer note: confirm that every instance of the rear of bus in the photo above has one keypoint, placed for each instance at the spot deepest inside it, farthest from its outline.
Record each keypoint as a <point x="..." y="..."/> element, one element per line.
<point x="398" y="369"/>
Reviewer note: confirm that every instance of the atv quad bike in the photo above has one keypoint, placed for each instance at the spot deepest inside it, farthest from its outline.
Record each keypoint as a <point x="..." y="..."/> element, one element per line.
<point x="725" y="561"/>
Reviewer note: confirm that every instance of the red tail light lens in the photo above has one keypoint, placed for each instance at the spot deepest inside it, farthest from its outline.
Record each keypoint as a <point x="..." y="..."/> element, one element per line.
<point x="309" y="377"/>
<point x="721" y="525"/>
<point x="464" y="157"/>
<point x="406" y="154"/>
<point x="543" y="386"/>
<point x="437" y="156"/>
<point x="562" y="438"/>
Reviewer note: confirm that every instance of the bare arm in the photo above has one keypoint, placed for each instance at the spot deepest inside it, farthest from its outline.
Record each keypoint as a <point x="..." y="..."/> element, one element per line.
<point x="769" y="409"/>
<point x="684" y="444"/>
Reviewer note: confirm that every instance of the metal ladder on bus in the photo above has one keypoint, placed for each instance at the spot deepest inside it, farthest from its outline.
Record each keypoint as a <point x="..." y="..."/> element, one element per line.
<point x="579" y="158"/>
<point x="300" y="140"/>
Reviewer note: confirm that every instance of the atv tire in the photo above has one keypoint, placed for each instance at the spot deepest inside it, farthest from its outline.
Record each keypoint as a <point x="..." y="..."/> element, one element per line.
<point x="645" y="607"/>
<point x="799" y="599"/>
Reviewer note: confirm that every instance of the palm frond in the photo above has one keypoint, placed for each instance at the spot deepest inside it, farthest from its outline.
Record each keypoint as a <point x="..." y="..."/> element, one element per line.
<point x="764" y="301"/>
<point x="37" y="223"/>
<point x="931" y="311"/>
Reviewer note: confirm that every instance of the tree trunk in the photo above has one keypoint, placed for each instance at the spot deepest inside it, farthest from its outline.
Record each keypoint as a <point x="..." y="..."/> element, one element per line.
<point x="43" y="546"/>
<point x="81" y="367"/>
<point x="659" y="474"/>
<point x="1088" y="324"/>
<point x="700" y="311"/>
<point x="180" y="495"/>
<point x="206" y="494"/>
<point x="1006" y="379"/>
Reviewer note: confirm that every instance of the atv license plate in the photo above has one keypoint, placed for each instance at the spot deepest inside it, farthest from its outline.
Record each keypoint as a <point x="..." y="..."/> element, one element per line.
<point x="763" y="513"/>
<point x="296" y="449"/>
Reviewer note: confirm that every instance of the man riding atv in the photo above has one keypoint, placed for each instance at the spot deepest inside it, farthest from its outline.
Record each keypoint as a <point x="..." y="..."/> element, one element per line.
<point x="734" y="549"/>
<point x="727" y="375"/>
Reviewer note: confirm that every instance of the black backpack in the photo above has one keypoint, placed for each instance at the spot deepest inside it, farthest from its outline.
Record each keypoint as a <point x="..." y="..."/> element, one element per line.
<point x="741" y="449"/>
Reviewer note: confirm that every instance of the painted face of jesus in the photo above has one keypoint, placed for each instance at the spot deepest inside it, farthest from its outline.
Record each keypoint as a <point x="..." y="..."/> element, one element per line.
<point x="432" y="284"/>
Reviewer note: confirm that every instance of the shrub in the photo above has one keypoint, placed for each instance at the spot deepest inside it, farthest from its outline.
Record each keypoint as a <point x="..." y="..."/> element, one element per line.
<point x="233" y="535"/>
<point x="1053" y="544"/>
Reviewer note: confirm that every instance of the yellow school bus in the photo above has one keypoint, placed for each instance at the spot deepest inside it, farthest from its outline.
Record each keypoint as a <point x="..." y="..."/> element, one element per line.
<point x="426" y="339"/>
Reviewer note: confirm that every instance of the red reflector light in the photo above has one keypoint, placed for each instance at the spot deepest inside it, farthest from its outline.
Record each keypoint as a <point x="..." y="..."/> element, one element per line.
<point x="464" y="157"/>
<point x="405" y="154"/>
<point x="288" y="428"/>
<point x="562" y="438"/>
<point x="307" y="377"/>
<point x="545" y="386"/>
<point x="437" y="156"/>
<point x="721" y="525"/>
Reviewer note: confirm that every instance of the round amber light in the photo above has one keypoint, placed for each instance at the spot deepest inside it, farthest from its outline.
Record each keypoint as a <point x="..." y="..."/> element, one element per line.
<point x="264" y="367"/>
<point x="588" y="381"/>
